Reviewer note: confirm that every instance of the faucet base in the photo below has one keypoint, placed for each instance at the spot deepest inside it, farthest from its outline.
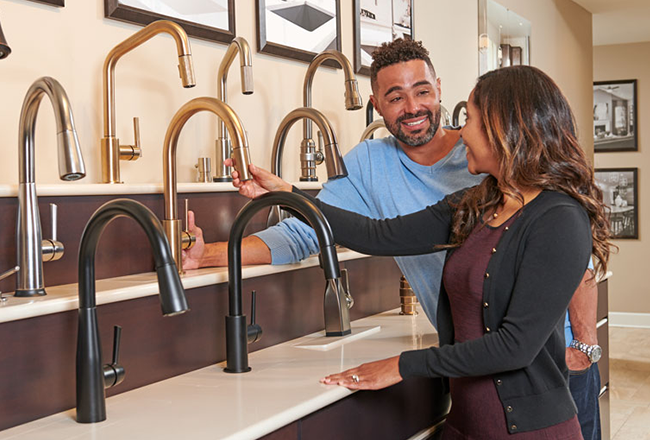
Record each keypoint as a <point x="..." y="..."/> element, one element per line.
<point x="222" y="179"/>
<point x="343" y="333"/>
<point x="22" y="293"/>
<point x="236" y="345"/>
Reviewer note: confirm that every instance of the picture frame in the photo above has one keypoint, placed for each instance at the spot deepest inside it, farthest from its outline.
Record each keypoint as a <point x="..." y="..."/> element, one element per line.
<point x="298" y="30"/>
<point x="377" y="22"/>
<point x="212" y="20"/>
<point x="615" y="121"/>
<point x="58" y="3"/>
<point x="620" y="195"/>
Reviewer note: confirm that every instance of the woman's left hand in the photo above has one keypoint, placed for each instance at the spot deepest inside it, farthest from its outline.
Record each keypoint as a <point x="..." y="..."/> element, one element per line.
<point x="370" y="376"/>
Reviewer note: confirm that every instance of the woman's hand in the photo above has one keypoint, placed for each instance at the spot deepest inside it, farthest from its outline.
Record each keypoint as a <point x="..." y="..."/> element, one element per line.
<point x="370" y="376"/>
<point x="263" y="181"/>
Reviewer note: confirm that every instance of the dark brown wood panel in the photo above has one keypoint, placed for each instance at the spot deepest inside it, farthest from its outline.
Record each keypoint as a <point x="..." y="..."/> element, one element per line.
<point x="39" y="354"/>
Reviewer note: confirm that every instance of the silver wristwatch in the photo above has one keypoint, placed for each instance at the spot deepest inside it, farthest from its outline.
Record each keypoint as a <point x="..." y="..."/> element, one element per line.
<point x="593" y="352"/>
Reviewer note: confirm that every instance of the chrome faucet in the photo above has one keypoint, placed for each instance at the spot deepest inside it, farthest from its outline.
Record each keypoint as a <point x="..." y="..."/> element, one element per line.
<point x="179" y="239"/>
<point x="337" y="317"/>
<point x="29" y="243"/>
<point x="309" y="157"/>
<point x="223" y="148"/>
<point x="334" y="160"/>
<point x="92" y="378"/>
<point x="111" y="150"/>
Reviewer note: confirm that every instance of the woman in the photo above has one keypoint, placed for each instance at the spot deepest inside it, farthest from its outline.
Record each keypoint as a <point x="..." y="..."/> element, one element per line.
<point x="518" y="246"/>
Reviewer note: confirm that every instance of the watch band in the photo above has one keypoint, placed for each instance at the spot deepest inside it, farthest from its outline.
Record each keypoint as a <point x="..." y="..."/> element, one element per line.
<point x="593" y="352"/>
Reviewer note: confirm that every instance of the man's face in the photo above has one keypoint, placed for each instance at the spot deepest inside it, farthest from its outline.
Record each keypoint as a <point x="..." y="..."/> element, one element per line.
<point x="407" y="96"/>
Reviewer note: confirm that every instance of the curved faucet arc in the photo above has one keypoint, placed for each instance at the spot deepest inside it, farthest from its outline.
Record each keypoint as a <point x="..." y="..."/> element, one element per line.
<point x="241" y="46"/>
<point x="110" y="143"/>
<point x="371" y="128"/>
<point x="29" y="240"/>
<point x="337" y="318"/>
<point x="241" y="155"/>
<point x="91" y="405"/>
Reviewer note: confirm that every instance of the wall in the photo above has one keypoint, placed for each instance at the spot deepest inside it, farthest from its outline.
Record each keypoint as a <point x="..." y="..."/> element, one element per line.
<point x="630" y="291"/>
<point x="72" y="42"/>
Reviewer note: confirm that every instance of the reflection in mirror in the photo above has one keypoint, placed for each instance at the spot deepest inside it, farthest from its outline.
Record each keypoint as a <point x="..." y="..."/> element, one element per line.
<point x="504" y="37"/>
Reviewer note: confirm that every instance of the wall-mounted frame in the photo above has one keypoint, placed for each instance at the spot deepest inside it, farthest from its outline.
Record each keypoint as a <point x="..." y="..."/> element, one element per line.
<point x="212" y="20"/>
<point x="620" y="195"/>
<point x="377" y="22"/>
<point x="615" y="127"/>
<point x="60" y="3"/>
<point x="298" y="30"/>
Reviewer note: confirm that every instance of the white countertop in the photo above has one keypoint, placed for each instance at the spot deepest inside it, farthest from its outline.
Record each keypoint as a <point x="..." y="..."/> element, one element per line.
<point x="209" y="404"/>
<point x="66" y="297"/>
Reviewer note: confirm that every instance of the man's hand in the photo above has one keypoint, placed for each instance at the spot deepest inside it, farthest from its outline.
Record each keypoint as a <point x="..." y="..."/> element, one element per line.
<point x="582" y="314"/>
<point x="263" y="181"/>
<point x="576" y="360"/>
<point x="192" y="257"/>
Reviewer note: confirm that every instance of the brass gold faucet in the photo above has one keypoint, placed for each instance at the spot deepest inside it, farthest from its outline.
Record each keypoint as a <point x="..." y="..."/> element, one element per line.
<point x="223" y="147"/>
<point x="111" y="150"/>
<point x="179" y="239"/>
<point x="309" y="157"/>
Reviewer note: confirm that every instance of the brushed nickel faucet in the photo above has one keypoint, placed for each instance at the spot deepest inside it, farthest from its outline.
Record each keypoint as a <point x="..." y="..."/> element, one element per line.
<point x="223" y="147"/>
<point x="30" y="246"/>
<point x="334" y="160"/>
<point x="92" y="378"/>
<point x="371" y="128"/>
<point x="309" y="157"/>
<point x="179" y="239"/>
<point x="335" y="303"/>
<point x="111" y="150"/>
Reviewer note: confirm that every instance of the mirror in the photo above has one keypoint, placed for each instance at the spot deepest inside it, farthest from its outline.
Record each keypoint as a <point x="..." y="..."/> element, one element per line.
<point x="504" y="37"/>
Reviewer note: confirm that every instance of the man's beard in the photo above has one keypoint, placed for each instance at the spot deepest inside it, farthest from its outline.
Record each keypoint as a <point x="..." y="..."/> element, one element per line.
<point x="418" y="139"/>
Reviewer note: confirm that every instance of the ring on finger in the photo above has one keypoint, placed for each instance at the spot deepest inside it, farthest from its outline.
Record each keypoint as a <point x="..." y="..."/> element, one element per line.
<point x="355" y="378"/>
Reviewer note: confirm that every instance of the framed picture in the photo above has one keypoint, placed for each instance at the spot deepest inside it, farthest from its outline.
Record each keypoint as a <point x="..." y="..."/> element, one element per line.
<point x="51" y="2"/>
<point x="377" y="22"/>
<point x="615" y="127"/>
<point x="620" y="194"/>
<point x="212" y="20"/>
<point x="298" y="29"/>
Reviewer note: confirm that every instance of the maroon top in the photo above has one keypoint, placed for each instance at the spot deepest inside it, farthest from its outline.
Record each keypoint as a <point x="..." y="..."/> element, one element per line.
<point x="476" y="411"/>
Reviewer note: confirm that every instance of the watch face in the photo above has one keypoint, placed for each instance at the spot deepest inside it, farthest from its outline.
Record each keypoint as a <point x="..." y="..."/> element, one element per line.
<point x="596" y="353"/>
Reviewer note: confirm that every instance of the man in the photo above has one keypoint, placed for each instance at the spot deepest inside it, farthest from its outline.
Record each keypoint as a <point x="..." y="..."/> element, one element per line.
<point x="415" y="167"/>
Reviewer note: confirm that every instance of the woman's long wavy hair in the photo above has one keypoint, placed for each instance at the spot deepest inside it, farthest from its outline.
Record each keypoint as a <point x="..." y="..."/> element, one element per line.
<point x="531" y="130"/>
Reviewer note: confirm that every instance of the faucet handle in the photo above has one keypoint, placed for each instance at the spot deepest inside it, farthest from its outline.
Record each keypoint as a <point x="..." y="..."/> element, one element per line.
<point x="51" y="248"/>
<point x="319" y="156"/>
<point x="254" y="330"/>
<point x="345" y="283"/>
<point x="114" y="372"/>
<point x="187" y="238"/>
<point x="5" y="275"/>
<point x="132" y="152"/>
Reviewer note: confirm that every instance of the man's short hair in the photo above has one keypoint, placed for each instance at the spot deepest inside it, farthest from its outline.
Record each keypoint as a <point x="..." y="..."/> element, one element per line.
<point x="398" y="51"/>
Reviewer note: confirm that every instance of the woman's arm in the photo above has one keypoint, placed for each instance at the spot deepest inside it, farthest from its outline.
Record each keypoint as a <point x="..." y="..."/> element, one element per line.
<point x="555" y="257"/>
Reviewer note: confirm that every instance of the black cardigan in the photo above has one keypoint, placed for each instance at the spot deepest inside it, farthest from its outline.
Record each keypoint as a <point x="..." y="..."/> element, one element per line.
<point x="538" y="264"/>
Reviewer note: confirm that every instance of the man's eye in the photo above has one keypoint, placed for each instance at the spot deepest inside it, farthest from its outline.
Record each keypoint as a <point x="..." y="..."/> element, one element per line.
<point x="397" y="98"/>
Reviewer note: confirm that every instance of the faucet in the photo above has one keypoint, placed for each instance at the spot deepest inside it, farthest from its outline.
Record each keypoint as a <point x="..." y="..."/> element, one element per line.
<point x="337" y="317"/>
<point x="458" y="110"/>
<point x="223" y="147"/>
<point x="92" y="378"/>
<point x="179" y="239"/>
<point x="334" y="163"/>
<point x="309" y="157"/>
<point x="111" y="150"/>
<point x="30" y="246"/>
<point x="371" y="128"/>
<point x="5" y="50"/>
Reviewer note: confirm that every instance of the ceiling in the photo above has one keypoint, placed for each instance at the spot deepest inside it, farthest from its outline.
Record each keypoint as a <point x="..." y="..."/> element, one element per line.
<point x="619" y="21"/>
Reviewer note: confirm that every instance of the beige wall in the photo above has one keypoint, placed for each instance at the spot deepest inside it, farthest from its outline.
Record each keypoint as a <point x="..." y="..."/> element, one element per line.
<point x="629" y="287"/>
<point x="72" y="42"/>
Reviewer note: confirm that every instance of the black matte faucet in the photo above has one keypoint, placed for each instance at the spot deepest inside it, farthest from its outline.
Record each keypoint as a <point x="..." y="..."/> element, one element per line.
<point x="337" y="317"/>
<point x="92" y="377"/>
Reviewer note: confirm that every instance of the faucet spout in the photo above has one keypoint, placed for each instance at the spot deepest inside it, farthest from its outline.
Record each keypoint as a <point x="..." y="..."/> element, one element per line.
<point x="337" y="318"/>
<point x="71" y="167"/>
<point x="223" y="147"/>
<point x="241" y="156"/>
<point x="110" y="146"/>
<point x="371" y="128"/>
<point x="90" y="378"/>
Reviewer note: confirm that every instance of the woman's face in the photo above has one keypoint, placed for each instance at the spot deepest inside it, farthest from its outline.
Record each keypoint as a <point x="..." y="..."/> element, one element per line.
<point x="480" y="156"/>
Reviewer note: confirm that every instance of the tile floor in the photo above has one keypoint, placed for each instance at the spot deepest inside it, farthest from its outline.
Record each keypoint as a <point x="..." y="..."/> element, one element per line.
<point x="630" y="383"/>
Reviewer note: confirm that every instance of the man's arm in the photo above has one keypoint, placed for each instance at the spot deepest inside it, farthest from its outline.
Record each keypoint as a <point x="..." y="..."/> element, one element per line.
<point x="582" y="314"/>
